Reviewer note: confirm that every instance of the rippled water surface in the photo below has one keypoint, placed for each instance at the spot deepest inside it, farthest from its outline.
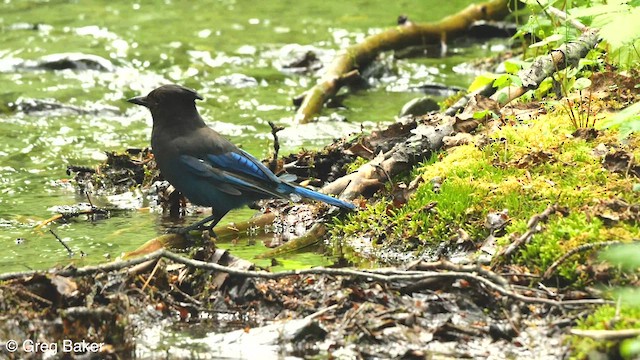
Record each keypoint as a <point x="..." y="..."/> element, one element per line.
<point x="231" y="52"/>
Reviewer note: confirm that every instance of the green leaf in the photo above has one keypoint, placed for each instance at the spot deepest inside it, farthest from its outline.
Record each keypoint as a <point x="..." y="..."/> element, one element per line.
<point x="548" y="40"/>
<point x="628" y="296"/>
<point x="598" y="10"/>
<point x="511" y="67"/>
<point x="622" y="30"/>
<point x="581" y="84"/>
<point x="481" y="81"/>
<point x="630" y="348"/>
<point x="502" y="81"/>
<point x="627" y="256"/>
<point x="483" y="114"/>
<point x="626" y="121"/>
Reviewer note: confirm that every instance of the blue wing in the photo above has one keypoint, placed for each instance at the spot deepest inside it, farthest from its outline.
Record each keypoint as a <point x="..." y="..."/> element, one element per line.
<point x="243" y="162"/>
<point x="234" y="172"/>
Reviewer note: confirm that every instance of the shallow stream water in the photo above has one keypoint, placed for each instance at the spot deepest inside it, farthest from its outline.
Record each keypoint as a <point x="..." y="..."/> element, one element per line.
<point x="231" y="52"/>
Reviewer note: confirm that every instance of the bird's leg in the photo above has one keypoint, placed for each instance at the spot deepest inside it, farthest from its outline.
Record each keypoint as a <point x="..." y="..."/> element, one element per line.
<point x="214" y="222"/>
<point x="214" y="218"/>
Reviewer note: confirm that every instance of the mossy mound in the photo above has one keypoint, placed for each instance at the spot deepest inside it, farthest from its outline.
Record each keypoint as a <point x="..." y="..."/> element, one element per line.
<point x="517" y="171"/>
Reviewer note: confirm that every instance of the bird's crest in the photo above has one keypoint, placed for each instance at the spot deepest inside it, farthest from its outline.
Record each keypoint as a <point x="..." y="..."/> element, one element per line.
<point x="173" y="91"/>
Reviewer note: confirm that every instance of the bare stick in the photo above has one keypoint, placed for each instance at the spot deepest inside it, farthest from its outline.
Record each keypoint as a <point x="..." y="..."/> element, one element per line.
<point x="532" y="228"/>
<point x="348" y="61"/>
<point x="87" y="270"/>
<point x="546" y="65"/>
<point x="471" y="277"/>
<point x="92" y="211"/>
<point x="563" y="15"/>
<point x="607" y="334"/>
<point x="153" y="272"/>
<point x="62" y="242"/>
<point x="552" y="269"/>
<point x="276" y="145"/>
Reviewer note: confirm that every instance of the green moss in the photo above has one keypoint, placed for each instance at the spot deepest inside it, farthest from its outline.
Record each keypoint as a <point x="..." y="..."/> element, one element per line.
<point x="610" y="317"/>
<point x="524" y="168"/>
<point x="354" y="166"/>
<point x="561" y="235"/>
<point x="607" y="317"/>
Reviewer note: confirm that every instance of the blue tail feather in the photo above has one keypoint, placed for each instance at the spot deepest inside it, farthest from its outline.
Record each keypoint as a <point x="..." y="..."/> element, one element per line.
<point x="304" y="192"/>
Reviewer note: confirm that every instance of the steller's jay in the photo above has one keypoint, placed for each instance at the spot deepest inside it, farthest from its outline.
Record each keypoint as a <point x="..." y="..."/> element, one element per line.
<point x="204" y="166"/>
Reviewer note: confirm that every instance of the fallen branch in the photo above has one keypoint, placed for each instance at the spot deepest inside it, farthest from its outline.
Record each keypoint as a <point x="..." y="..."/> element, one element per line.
<point x="552" y="269"/>
<point x="532" y="229"/>
<point x="87" y="270"/>
<point x="407" y="34"/>
<point x="447" y="265"/>
<point x="540" y="67"/>
<point x="546" y="65"/>
<point x="471" y="276"/>
<point x="403" y="156"/>
<point x="607" y="335"/>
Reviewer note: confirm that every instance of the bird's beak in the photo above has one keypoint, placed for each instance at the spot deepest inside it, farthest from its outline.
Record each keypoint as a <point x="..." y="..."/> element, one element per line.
<point x="139" y="100"/>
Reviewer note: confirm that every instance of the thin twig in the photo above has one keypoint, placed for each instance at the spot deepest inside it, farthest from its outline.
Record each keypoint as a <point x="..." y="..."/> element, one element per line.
<point x="153" y="272"/>
<point x="563" y="15"/>
<point x="447" y="265"/>
<point x="22" y="290"/>
<point x="532" y="228"/>
<point x="62" y="242"/>
<point x="607" y="334"/>
<point x="87" y="270"/>
<point x="552" y="269"/>
<point x="89" y="199"/>
<point x="276" y="145"/>
<point x="92" y="211"/>
<point x="385" y="172"/>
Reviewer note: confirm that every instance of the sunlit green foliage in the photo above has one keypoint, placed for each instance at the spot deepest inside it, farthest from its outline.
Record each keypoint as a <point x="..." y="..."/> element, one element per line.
<point x="617" y="21"/>
<point x="626" y="121"/>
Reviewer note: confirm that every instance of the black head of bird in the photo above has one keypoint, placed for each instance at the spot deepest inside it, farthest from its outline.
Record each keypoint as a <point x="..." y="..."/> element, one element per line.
<point x="169" y="102"/>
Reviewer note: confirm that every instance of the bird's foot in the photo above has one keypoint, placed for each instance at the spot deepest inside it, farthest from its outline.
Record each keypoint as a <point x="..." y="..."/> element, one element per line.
<point x="212" y="233"/>
<point x="186" y="230"/>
